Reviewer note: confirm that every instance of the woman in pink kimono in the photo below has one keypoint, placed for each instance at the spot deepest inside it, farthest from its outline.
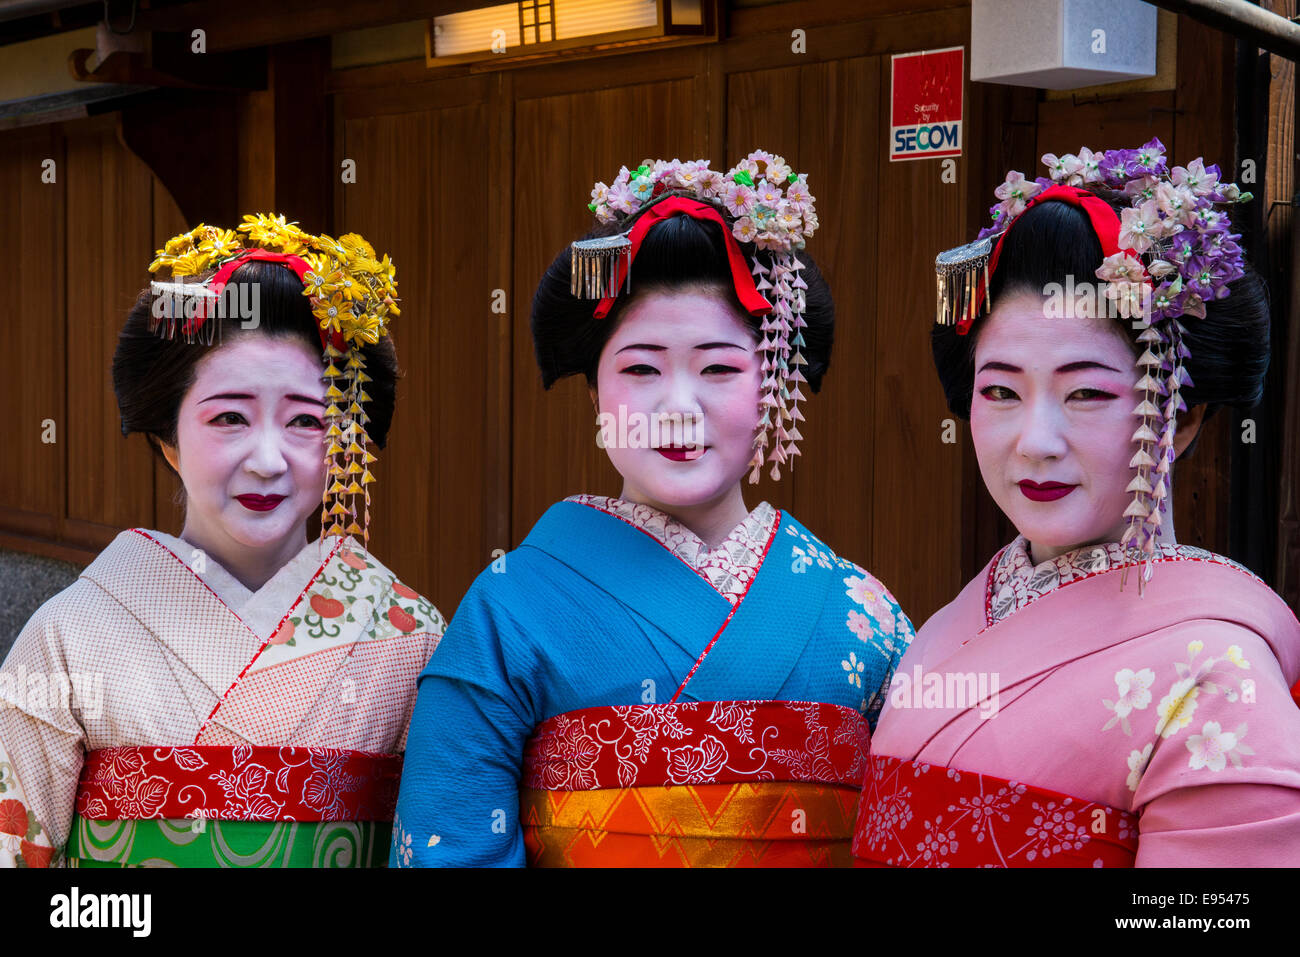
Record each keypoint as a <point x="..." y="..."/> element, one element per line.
<point x="1099" y="695"/>
<point x="237" y="695"/>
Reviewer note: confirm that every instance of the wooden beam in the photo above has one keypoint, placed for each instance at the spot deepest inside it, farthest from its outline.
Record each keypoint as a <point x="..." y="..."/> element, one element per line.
<point x="1266" y="30"/>
<point x="239" y="24"/>
<point x="188" y="139"/>
<point x="76" y="554"/>
<point x="783" y="17"/>
<point x="167" y="62"/>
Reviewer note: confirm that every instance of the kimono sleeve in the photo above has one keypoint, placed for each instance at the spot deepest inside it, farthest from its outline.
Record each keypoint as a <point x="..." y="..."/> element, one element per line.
<point x="432" y="636"/>
<point x="1222" y="786"/>
<point x="42" y="744"/>
<point x="459" y="800"/>
<point x="896" y="633"/>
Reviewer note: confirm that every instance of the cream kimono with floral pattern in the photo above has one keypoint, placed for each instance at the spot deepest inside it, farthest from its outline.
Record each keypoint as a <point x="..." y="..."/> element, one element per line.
<point x="157" y="644"/>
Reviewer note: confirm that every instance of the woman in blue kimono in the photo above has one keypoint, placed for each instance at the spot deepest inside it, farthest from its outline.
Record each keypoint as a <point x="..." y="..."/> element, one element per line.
<point x="665" y="678"/>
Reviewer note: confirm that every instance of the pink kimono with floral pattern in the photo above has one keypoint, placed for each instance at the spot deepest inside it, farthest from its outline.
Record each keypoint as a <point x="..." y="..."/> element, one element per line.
<point x="1173" y="706"/>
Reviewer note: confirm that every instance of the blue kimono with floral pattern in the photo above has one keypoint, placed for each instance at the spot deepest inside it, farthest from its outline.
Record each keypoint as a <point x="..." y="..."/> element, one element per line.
<point x="607" y="602"/>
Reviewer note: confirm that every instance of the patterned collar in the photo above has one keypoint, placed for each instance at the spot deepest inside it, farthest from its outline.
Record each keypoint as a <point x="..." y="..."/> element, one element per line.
<point x="1015" y="581"/>
<point x="728" y="569"/>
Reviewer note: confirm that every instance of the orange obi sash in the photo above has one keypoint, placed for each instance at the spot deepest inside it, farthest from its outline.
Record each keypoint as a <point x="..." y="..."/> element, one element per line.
<point x="919" y="815"/>
<point x="694" y="784"/>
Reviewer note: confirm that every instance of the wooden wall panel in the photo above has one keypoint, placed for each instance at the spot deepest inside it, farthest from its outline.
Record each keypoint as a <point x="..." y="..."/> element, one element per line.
<point x="834" y="485"/>
<point x="796" y="112"/>
<point x="73" y="496"/>
<point x="917" y="521"/>
<point x="1204" y="126"/>
<point x="566" y="142"/>
<point x="169" y="513"/>
<point x="1282" y="166"/>
<point x="31" y="497"/>
<point x="109" y="199"/>
<point x="427" y="519"/>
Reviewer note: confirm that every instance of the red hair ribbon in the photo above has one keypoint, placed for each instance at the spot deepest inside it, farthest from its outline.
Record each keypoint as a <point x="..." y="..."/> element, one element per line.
<point x="300" y="267"/>
<point x="1102" y="216"/>
<point x="750" y="299"/>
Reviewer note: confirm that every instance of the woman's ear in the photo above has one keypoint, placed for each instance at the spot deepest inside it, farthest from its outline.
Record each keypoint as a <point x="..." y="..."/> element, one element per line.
<point x="595" y="398"/>
<point x="171" y="455"/>
<point x="1189" y="426"/>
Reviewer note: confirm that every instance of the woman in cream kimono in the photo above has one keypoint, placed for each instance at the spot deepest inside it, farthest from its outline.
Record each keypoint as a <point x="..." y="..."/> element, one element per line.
<point x="238" y="695"/>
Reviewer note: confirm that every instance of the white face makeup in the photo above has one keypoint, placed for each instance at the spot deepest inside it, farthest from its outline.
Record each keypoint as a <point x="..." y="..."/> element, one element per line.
<point x="681" y="356"/>
<point x="250" y="449"/>
<point x="1052" y="423"/>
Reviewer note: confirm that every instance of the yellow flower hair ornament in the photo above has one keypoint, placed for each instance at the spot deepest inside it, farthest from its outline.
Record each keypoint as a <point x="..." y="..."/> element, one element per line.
<point x="352" y="295"/>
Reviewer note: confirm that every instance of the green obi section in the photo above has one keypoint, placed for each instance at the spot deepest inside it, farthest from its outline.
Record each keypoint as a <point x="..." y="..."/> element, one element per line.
<point x="186" y="842"/>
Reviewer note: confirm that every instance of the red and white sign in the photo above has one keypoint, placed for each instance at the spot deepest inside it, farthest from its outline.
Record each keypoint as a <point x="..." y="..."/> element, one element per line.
<point x="925" y="104"/>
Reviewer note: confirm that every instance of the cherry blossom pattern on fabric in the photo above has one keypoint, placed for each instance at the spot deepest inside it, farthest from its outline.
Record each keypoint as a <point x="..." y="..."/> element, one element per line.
<point x="914" y="814"/>
<point x="402" y="843"/>
<point x="1211" y="747"/>
<point x="697" y="742"/>
<point x="881" y="627"/>
<point x="1015" y="581"/>
<point x="243" y="783"/>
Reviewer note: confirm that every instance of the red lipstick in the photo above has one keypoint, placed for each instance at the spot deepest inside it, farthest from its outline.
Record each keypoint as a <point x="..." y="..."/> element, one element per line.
<point x="679" y="453"/>
<point x="1045" y="491"/>
<point x="260" y="503"/>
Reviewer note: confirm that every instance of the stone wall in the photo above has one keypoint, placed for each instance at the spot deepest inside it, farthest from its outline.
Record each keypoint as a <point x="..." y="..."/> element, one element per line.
<point x="26" y="581"/>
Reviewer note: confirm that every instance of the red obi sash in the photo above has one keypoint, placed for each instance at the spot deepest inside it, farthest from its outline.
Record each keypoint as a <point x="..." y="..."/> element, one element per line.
<point x="684" y="784"/>
<point x="919" y="815"/>
<point x="238" y="784"/>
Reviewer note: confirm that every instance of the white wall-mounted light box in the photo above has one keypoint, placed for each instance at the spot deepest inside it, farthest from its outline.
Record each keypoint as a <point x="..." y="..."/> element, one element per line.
<point x="1061" y="44"/>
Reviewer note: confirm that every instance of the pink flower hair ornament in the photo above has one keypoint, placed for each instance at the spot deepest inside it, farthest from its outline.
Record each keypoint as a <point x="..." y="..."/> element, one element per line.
<point x="1166" y="255"/>
<point x="760" y="201"/>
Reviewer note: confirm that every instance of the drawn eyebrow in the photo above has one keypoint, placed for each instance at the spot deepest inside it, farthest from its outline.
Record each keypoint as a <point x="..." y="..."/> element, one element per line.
<point x="703" y="345"/>
<point x="1068" y="367"/>
<point x="244" y="395"/>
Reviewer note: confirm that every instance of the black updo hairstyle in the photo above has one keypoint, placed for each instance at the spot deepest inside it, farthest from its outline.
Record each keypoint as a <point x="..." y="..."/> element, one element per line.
<point x="152" y="374"/>
<point x="1229" y="347"/>
<point x="678" y="252"/>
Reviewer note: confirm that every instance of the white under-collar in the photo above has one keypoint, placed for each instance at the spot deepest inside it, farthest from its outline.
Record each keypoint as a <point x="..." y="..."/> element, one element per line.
<point x="260" y="610"/>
